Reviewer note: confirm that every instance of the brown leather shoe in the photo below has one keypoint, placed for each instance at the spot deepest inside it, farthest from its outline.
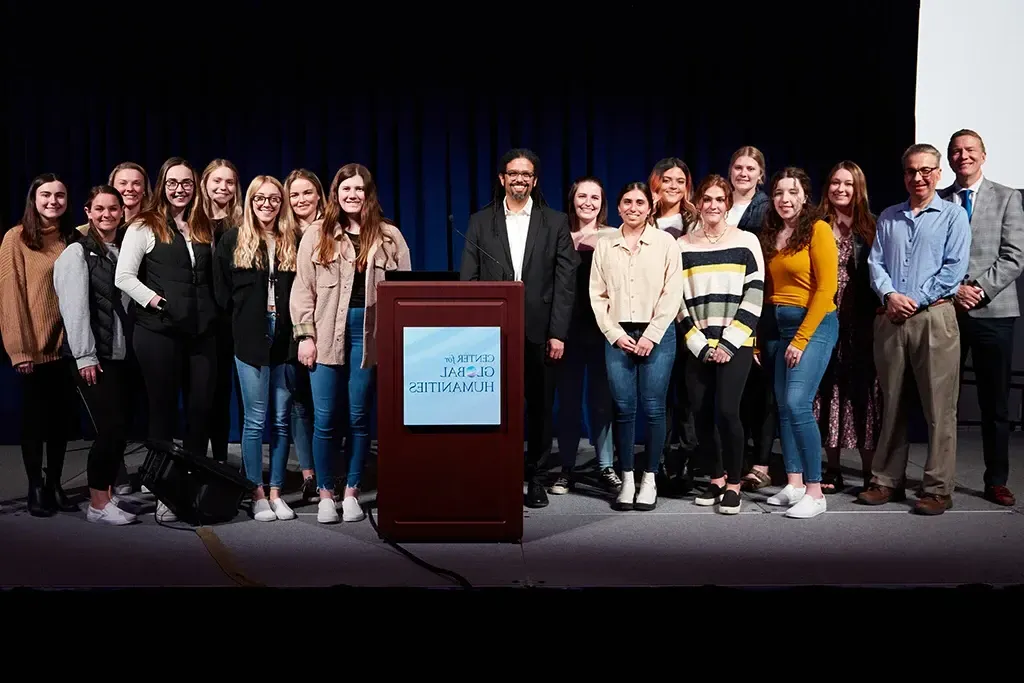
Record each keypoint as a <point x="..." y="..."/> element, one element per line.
<point x="876" y="494"/>
<point x="933" y="504"/>
<point x="1000" y="495"/>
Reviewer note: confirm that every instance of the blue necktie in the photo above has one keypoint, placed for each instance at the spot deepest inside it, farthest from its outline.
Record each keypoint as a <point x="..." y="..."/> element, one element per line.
<point x="965" y="196"/>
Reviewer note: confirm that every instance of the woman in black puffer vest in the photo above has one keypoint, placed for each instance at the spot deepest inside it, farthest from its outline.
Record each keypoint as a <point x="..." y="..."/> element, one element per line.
<point x="97" y="338"/>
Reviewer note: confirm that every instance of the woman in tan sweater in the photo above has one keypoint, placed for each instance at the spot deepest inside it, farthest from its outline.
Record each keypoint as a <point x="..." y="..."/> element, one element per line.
<point x="341" y="260"/>
<point x="30" y="323"/>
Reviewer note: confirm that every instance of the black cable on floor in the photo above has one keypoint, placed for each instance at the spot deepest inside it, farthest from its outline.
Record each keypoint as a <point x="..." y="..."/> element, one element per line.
<point x="455" y="577"/>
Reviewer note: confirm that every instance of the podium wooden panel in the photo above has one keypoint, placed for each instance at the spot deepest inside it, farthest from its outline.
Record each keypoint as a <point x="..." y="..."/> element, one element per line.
<point x="449" y="483"/>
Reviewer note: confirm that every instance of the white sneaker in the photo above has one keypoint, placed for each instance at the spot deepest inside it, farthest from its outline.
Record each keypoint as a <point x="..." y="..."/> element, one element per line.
<point x="351" y="510"/>
<point x="146" y="490"/>
<point x="164" y="514"/>
<point x="282" y="510"/>
<point x="262" y="512"/>
<point x="790" y="495"/>
<point x="647" y="499"/>
<point x="110" y="514"/>
<point x="627" y="493"/>
<point x="327" y="511"/>
<point x="123" y="490"/>
<point x="807" y="508"/>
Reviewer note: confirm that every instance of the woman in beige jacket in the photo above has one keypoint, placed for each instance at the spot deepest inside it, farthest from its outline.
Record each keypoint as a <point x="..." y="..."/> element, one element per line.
<point x="341" y="259"/>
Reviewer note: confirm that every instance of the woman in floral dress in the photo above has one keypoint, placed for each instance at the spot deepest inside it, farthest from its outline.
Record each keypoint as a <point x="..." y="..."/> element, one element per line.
<point x="849" y="402"/>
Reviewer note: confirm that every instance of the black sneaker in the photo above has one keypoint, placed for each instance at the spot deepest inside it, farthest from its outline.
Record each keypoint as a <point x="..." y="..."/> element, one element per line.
<point x="561" y="486"/>
<point x="609" y="480"/>
<point x="730" y="503"/>
<point x="309" y="491"/>
<point x="711" y="495"/>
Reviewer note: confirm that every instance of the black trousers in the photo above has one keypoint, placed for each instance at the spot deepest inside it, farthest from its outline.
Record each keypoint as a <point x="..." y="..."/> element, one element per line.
<point x="679" y="410"/>
<point x="108" y="404"/>
<point x="716" y="390"/>
<point x="540" y="382"/>
<point x="990" y="343"/>
<point x="759" y="412"/>
<point x="165" y="362"/>
<point x="224" y="382"/>
<point x="47" y="405"/>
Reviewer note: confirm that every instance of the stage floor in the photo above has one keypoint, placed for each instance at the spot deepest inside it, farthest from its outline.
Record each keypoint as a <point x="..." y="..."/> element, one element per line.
<point x="577" y="541"/>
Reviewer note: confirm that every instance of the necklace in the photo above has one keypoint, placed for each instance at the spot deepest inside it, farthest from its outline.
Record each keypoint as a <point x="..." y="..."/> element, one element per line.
<point x="717" y="238"/>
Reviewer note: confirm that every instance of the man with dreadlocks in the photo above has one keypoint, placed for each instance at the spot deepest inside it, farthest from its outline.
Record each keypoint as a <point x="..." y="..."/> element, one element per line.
<point x="519" y="238"/>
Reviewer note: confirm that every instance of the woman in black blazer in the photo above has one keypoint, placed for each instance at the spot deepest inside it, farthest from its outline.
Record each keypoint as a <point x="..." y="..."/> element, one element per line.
<point x="254" y="269"/>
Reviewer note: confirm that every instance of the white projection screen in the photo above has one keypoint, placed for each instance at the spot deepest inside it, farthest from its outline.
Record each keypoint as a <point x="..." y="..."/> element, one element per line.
<point x="970" y="62"/>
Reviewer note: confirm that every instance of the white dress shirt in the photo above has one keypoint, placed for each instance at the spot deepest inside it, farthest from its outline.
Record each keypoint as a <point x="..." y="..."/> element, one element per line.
<point x="517" y="223"/>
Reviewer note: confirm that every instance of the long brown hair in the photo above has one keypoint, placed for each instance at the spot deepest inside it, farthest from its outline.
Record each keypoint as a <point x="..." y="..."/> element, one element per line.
<point x="32" y="224"/>
<point x="863" y="220"/>
<point x="773" y="223"/>
<point x="95" y="192"/>
<point x="686" y="207"/>
<point x="371" y="218"/>
<point x="602" y="213"/>
<point x="154" y="213"/>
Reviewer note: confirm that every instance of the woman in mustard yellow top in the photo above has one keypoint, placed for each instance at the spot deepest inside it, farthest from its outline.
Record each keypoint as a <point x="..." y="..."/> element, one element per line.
<point x="802" y="261"/>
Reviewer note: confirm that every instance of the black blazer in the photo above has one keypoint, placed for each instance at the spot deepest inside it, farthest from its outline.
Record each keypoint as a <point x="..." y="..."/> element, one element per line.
<point x="243" y="294"/>
<point x="866" y="301"/>
<point x="549" y="265"/>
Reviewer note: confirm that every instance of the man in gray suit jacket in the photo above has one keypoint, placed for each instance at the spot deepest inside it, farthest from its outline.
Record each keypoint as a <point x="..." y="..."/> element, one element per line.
<point x="987" y="306"/>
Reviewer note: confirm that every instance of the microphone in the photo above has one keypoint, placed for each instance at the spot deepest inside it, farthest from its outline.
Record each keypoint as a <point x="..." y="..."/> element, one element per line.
<point x="504" y="270"/>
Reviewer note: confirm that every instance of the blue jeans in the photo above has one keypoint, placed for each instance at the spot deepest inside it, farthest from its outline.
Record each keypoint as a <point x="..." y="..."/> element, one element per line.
<point x="795" y="388"/>
<point x="326" y="381"/>
<point x="629" y="375"/>
<point x="584" y="358"/>
<point x="302" y="414"/>
<point x="262" y="386"/>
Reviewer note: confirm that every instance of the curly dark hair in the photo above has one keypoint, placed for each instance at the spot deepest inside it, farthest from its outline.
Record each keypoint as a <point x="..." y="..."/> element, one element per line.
<point x="810" y="213"/>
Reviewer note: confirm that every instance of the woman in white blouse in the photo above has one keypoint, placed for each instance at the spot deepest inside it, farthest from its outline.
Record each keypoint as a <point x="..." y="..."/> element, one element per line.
<point x="636" y="290"/>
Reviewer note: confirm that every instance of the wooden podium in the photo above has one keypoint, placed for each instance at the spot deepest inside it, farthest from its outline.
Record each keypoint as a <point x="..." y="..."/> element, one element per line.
<point x="450" y="463"/>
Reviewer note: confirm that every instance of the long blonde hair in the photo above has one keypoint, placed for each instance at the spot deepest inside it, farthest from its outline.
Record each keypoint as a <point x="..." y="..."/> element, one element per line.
<point x="288" y="218"/>
<point x="202" y="216"/>
<point x="250" y="250"/>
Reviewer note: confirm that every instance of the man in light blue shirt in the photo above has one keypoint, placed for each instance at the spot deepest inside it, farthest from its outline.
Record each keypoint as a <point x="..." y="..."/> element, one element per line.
<point x="918" y="261"/>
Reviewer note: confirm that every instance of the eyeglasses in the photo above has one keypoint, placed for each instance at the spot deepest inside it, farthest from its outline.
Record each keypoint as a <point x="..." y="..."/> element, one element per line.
<point x="173" y="185"/>
<point x="525" y="175"/>
<point x="925" y="172"/>
<point x="260" y="200"/>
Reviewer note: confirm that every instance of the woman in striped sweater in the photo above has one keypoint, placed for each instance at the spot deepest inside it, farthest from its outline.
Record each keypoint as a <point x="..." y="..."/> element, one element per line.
<point x="723" y="289"/>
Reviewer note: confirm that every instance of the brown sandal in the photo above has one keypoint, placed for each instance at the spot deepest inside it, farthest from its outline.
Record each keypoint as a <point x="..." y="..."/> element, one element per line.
<point x="760" y="480"/>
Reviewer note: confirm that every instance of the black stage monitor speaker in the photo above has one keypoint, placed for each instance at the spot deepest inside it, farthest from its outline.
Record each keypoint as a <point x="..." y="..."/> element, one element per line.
<point x="198" y="490"/>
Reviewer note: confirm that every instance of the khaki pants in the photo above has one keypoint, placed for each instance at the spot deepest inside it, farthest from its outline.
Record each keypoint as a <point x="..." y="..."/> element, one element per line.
<point x="928" y="345"/>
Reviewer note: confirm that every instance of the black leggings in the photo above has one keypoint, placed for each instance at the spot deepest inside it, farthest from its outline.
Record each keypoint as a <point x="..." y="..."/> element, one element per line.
<point x="165" y="361"/>
<point x="108" y="404"/>
<point x="715" y="391"/>
<point x="46" y="408"/>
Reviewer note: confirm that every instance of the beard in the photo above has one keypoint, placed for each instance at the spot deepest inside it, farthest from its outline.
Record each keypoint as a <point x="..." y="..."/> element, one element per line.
<point x="520" y="193"/>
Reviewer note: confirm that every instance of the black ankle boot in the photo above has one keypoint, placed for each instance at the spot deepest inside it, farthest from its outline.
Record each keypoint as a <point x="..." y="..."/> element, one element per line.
<point x="37" y="502"/>
<point x="57" y="496"/>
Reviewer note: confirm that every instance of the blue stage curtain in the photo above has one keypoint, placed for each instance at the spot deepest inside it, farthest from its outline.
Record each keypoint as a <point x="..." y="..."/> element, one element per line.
<point x="431" y="123"/>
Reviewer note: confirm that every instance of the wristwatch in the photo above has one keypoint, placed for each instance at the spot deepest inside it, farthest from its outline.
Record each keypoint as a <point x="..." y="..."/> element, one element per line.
<point x="885" y="299"/>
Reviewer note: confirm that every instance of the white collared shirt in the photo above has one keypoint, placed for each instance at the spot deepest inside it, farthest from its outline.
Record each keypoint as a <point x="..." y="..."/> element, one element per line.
<point x="518" y="225"/>
<point x="957" y="199"/>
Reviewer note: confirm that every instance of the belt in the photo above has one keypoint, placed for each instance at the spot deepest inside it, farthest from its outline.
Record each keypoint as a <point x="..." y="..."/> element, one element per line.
<point x="938" y="302"/>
